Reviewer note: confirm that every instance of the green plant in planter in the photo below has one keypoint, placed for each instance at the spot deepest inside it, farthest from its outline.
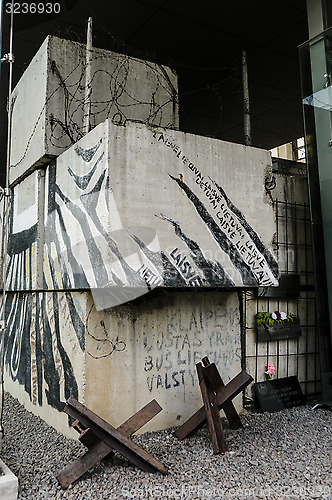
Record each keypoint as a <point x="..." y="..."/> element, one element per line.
<point x="277" y="326"/>
<point x="274" y="318"/>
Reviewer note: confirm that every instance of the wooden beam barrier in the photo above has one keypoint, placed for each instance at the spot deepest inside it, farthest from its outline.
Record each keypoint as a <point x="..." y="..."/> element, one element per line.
<point x="101" y="438"/>
<point x="224" y="394"/>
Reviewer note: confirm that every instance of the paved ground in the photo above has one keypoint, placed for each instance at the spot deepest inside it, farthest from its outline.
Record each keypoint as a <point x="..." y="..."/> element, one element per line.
<point x="284" y="455"/>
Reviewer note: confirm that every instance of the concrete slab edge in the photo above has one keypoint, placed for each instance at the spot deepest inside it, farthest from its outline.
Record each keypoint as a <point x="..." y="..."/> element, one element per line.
<point x="8" y="483"/>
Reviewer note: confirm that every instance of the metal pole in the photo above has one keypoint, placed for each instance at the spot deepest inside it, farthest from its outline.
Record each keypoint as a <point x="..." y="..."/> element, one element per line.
<point x="1" y="15"/>
<point x="10" y="59"/>
<point x="87" y="97"/>
<point x="246" y="108"/>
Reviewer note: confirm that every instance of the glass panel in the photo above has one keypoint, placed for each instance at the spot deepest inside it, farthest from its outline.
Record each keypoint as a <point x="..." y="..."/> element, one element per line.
<point x="316" y="77"/>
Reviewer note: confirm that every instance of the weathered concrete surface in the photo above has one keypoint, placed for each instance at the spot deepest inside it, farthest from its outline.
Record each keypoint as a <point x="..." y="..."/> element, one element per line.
<point x="8" y="483"/>
<point x="22" y="263"/>
<point x="128" y="205"/>
<point x="135" y="207"/>
<point x="121" y="88"/>
<point x="149" y="350"/>
<point x="158" y="207"/>
<point x="45" y="352"/>
<point x="116" y="361"/>
<point x="29" y="116"/>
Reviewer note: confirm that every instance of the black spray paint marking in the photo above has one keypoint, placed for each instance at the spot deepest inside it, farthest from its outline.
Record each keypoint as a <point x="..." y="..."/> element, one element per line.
<point x="214" y="195"/>
<point x="225" y="244"/>
<point x="271" y="261"/>
<point x="185" y="268"/>
<point x="213" y="271"/>
<point x="53" y="210"/>
<point x="105" y="346"/>
<point x="77" y="322"/>
<point x="96" y="261"/>
<point x="88" y="219"/>
<point x="151" y="278"/>
<point x="171" y="354"/>
<point x="37" y="372"/>
<point x="160" y="260"/>
<point x="88" y="154"/>
<point x="236" y="228"/>
<point x="71" y="388"/>
<point x="82" y="181"/>
<point x="51" y="375"/>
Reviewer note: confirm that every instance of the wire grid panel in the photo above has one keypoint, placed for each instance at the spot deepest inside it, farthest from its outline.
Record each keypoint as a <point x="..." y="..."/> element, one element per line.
<point x="298" y="356"/>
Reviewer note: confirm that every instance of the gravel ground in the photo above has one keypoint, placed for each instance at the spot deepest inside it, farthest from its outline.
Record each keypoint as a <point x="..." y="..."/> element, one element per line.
<point x="283" y="455"/>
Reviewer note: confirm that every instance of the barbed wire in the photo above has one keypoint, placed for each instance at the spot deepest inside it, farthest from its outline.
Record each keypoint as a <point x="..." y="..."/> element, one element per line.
<point x="121" y="87"/>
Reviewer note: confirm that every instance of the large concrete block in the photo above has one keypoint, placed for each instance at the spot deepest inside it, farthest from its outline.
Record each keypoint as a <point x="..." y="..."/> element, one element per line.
<point x="138" y="352"/>
<point x="48" y="101"/>
<point x="115" y="361"/>
<point x="130" y="206"/>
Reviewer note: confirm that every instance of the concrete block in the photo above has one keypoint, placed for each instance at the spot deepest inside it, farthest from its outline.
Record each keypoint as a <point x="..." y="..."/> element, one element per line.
<point x="132" y="206"/>
<point x="156" y="351"/>
<point x="115" y="361"/>
<point x="48" y="101"/>
<point x="142" y="351"/>
<point x="129" y="208"/>
<point x="8" y="483"/>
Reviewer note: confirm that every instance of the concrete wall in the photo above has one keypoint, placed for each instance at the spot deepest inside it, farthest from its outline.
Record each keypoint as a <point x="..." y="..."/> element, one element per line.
<point x="149" y="350"/>
<point x="115" y="361"/>
<point x="61" y="342"/>
<point x="23" y="243"/>
<point x="45" y="352"/>
<point x="130" y="207"/>
<point x="125" y="205"/>
<point x="126" y="210"/>
<point x="29" y="117"/>
<point x="121" y="88"/>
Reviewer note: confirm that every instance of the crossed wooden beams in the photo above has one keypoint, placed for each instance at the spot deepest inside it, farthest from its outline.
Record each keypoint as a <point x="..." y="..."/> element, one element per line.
<point x="101" y="439"/>
<point x="216" y="396"/>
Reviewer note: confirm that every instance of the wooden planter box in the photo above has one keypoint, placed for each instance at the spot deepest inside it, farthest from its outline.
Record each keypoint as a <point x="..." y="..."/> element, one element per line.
<point x="279" y="331"/>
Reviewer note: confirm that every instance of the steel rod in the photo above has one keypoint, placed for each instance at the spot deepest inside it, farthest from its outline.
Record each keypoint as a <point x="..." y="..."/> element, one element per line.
<point x="5" y="222"/>
<point x="87" y="97"/>
<point x="246" y="107"/>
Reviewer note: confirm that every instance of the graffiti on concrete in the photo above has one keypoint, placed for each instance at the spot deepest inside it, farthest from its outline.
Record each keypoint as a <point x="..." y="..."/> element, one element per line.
<point x="86" y="245"/>
<point x="89" y="255"/>
<point x="226" y="223"/>
<point x="102" y="345"/>
<point x="208" y="271"/>
<point x="39" y="351"/>
<point x="172" y="352"/>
